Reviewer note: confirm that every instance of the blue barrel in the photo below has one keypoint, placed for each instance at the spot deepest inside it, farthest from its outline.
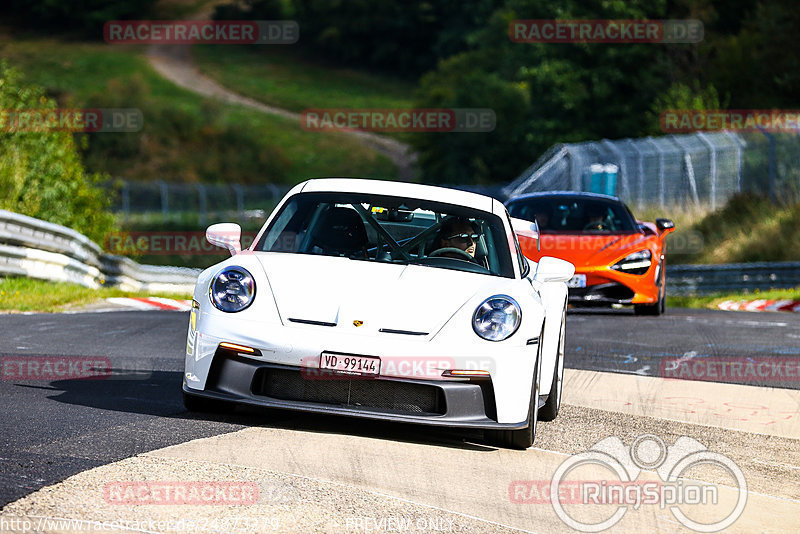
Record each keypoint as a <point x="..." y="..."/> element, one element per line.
<point x="596" y="178"/>
<point x="610" y="172"/>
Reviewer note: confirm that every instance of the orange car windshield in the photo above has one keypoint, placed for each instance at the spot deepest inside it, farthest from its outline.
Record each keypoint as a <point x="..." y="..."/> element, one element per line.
<point x="575" y="215"/>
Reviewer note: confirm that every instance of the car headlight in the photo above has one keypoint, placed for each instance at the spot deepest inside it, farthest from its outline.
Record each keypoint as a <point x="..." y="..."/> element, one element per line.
<point x="233" y="289"/>
<point x="636" y="263"/>
<point x="497" y="318"/>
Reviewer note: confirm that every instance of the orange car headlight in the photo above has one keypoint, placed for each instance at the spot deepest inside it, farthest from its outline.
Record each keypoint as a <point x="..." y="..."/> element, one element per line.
<point x="636" y="263"/>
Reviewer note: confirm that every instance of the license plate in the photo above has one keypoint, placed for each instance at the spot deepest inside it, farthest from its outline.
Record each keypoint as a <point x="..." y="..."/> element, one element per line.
<point x="579" y="280"/>
<point x="350" y="364"/>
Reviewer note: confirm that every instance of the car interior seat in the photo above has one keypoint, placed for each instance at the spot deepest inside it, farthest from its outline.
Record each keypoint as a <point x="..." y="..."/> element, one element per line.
<point x="342" y="233"/>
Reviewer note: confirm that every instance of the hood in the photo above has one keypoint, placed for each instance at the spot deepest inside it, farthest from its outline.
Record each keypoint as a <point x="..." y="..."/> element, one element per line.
<point x="586" y="250"/>
<point x="339" y="291"/>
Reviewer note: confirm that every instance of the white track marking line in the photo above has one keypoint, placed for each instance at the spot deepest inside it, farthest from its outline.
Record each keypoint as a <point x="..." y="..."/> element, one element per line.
<point x="776" y="464"/>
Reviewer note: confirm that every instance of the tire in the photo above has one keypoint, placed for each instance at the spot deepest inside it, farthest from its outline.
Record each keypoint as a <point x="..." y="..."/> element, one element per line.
<point x="661" y="304"/>
<point x="550" y="410"/>
<point x="524" y="437"/>
<point x="195" y="403"/>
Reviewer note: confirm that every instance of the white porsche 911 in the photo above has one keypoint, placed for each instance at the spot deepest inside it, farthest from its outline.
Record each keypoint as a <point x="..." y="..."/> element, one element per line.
<point x="383" y="300"/>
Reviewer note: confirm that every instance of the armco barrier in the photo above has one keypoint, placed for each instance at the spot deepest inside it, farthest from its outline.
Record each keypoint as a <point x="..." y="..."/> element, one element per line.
<point x="731" y="278"/>
<point x="38" y="249"/>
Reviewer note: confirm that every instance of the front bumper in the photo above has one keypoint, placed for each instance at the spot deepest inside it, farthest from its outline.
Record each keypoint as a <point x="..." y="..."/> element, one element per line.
<point x="605" y="286"/>
<point x="601" y="294"/>
<point x="463" y="403"/>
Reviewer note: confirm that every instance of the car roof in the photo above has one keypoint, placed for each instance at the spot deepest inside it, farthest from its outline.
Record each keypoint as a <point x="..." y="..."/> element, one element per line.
<point x="403" y="189"/>
<point x="580" y="194"/>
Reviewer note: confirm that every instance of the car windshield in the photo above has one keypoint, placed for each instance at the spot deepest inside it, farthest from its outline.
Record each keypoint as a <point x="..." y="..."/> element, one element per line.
<point x="391" y="230"/>
<point x="573" y="214"/>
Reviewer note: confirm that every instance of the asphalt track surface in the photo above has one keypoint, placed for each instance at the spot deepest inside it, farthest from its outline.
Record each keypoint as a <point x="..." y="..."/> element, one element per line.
<point x="52" y="430"/>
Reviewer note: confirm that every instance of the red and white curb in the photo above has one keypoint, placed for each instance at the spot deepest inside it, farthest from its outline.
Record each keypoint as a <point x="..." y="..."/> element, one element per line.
<point x="152" y="303"/>
<point x="760" y="305"/>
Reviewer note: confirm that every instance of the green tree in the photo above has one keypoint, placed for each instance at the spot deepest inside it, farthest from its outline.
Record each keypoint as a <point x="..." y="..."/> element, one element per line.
<point x="41" y="173"/>
<point x="569" y="92"/>
<point x="85" y="16"/>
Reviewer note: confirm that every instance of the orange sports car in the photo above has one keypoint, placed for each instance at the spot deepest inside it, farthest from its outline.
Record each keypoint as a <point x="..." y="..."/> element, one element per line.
<point x="618" y="260"/>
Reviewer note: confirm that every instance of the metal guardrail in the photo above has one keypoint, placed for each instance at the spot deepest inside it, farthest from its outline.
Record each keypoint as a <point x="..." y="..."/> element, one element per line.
<point x="38" y="249"/>
<point x="731" y="278"/>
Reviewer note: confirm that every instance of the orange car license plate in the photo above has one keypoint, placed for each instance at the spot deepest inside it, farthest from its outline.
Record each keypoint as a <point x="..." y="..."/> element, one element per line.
<point x="579" y="280"/>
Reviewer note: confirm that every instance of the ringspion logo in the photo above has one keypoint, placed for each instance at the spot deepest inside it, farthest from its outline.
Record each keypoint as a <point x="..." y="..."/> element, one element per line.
<point x="674" y="490"/>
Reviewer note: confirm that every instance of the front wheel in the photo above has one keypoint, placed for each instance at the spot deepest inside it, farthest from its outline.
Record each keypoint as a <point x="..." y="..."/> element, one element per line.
<point x="524" y="437"/>
<point x="661" y="304"/>
<point x="550" y="410"/>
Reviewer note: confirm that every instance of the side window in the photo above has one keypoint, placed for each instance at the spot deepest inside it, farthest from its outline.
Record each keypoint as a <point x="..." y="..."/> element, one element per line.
<point x="521" y="261"/>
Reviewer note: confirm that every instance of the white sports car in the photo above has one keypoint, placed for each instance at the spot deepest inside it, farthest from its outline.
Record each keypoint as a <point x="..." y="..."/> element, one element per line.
<point x="383" y="300"/>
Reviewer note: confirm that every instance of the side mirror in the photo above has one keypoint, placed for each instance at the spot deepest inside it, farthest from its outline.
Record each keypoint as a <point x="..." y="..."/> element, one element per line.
<point x="664" y="224"/>
<point x="552" y="269"/>
<point x="524" y="228"/>
<point x="226" y="235"/>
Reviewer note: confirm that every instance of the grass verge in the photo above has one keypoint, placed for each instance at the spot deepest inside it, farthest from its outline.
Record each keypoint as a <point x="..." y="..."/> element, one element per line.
<point x="185" y="137"/>
<point x="285" y="79"/>
<point x="711" y="301"/>
<point x="29" y="295"/>
<point x="748" y="228"/>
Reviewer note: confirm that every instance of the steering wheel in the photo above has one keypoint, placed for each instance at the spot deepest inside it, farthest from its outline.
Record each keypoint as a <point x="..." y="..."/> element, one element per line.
<point x="452" y="250"/>
<point x="596" y="226"/>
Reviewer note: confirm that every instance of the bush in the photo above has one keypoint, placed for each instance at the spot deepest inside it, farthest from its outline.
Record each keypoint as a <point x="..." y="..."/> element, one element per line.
<point x="480" y="157"/>
<point x="41" y="173"/>
<point x="87" y="16"/>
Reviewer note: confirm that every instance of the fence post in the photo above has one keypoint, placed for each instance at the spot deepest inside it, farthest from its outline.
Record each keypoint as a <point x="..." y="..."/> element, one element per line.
<point x="687" y="161"/>
<point x="164" y="190"/>
<point x="640" y="171"/>
<point x="739" y="143"/>
<point x="126" y="199"/>
<point x="622" y="166"/>
<point x="276" y="194"/>
<point x="771" y="138"/>
<point x="661" y="164"/>
<point x="201" y="191"/>
<point x="713" y="175"/>
<point x="239" y="200"/>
